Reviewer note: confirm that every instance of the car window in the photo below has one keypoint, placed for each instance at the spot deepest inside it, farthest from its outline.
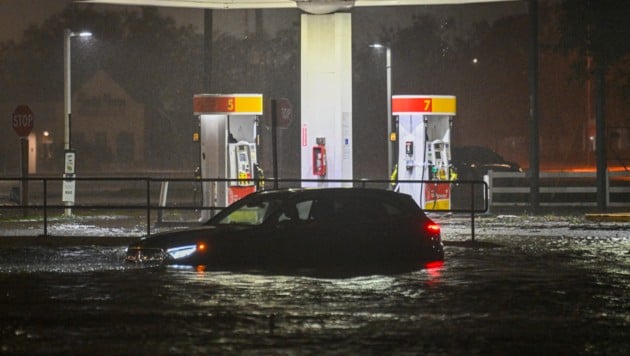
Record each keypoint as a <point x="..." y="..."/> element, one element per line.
<point x="321" y="210"/>
<point x="253" y="213"/>
<point x="351" y="209"/>
<point x="304" y="209"/>
<point x="392" y="210"/>
<point x="296" y="211"/>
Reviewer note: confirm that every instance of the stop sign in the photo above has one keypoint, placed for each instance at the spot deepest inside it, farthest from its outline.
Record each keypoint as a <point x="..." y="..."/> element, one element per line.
<point x="284" y="114"/>
<point x="22" y="120"/>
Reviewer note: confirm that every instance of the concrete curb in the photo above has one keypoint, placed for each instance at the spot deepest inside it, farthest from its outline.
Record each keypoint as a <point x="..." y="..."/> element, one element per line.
<point x="608" y="217"/>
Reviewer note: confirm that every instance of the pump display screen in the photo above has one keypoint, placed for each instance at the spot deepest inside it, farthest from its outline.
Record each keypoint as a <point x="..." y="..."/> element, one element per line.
<point x="409" y="147"/>
<point x="242" y="157"/>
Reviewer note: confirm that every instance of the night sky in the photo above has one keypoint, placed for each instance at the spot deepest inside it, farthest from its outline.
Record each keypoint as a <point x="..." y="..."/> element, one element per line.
<point x="17" y="15"/>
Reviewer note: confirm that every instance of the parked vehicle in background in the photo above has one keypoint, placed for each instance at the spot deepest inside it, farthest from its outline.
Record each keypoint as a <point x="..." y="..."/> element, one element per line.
<point x="338" y="231"/>
<point x="473" y="162"/>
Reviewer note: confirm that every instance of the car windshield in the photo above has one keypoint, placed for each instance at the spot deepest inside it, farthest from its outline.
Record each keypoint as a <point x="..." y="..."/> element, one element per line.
<point x="252" y="213"/>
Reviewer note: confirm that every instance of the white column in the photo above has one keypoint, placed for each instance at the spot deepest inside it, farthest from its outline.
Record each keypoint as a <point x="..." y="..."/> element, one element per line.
<point x="326" y="77"/>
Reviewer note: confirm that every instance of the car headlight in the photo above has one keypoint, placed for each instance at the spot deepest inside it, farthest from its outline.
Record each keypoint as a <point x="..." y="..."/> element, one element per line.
<point x="181" y="251"/>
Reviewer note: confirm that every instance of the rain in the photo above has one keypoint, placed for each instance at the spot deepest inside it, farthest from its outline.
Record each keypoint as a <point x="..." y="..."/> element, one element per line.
<point x="547" y="281"/>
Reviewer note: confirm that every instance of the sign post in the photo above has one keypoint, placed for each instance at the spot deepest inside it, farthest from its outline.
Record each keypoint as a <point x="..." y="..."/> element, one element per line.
<point x="281" y="116"/>
<point x="69" y="184"/>
<point x="22" y="122"/>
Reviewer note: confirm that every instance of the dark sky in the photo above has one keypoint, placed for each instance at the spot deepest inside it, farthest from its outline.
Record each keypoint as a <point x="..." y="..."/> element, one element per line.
<point x="17" y="15"/>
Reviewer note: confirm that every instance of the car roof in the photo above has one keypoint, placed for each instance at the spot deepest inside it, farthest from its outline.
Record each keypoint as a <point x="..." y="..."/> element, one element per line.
<point x="298" y="193"/>
<point x="404" y="201"/>
<point x="333" y="190"/>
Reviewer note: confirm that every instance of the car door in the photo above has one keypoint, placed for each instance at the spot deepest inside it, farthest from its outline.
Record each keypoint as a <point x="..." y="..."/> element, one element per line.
<point x="376" y="230"/>
<point x="292" y="234"/>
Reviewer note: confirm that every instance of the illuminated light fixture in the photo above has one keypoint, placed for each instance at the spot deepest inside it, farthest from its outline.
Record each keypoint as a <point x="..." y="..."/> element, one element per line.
<point x="321" y="7"/>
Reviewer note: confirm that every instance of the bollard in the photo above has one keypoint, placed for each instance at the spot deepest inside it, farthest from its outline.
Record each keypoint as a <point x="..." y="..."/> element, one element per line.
<point x="472" y="212"/>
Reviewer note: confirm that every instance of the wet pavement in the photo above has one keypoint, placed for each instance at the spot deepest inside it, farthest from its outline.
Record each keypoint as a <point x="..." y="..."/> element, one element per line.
<point x="528" y="285"/>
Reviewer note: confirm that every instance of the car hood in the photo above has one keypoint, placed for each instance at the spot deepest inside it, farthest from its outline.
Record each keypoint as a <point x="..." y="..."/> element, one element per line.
<point x="179" y="237"/>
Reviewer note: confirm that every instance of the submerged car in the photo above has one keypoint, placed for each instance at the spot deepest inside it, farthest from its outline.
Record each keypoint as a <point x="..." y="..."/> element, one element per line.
<point x="318" y="230"/>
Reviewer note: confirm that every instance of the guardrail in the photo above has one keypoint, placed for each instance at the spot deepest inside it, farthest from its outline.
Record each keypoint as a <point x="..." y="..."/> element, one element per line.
<point x="557" y="189"/>
<point x="148" y="195"/>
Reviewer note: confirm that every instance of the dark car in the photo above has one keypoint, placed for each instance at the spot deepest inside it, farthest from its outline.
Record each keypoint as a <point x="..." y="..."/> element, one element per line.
<point x="473" y="162"/>
<point x="318" y="230"/>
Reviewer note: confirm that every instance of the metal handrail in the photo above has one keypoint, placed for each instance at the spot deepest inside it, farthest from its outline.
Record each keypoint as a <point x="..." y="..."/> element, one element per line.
<point x="150" y="204"/>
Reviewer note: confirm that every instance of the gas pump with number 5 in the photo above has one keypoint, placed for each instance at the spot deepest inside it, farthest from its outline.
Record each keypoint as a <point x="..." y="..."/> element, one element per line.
<point x="228" y="137"/>
<point x="319" y="158"/>
<point x="241" y="167"/>
<point x="241" y="164"/>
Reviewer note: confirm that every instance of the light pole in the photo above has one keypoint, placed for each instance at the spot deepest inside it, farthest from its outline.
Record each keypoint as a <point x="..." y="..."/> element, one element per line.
<point x="390" y="141"/>
<point x="69" y="162"/>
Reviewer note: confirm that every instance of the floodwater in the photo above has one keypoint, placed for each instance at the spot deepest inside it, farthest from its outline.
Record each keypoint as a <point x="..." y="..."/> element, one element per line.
<point x="542" y="288"/>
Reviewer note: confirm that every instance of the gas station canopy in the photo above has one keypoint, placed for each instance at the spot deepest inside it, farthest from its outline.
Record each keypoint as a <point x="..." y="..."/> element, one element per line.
<point x="311" y="6"/>
<point x="326" y="93"/>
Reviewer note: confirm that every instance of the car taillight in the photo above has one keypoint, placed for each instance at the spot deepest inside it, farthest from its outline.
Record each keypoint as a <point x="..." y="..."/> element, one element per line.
<point x="432" y="228"/>
<point x="434" y="264"/>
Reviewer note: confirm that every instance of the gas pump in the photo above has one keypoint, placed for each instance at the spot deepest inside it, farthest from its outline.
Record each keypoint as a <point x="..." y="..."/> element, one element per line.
<point x="424" y="132"/>
<point x="437" y="195"/>
<point x="228" y="133"/>
<point x="410" y="161"/>
<point x="438" y="159"/>
<point x="241" y="166"/>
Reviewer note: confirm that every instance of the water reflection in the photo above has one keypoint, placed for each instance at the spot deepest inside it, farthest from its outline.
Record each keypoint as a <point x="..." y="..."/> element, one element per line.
<point x="434" y="272"/>
<point x="566" y="295"/>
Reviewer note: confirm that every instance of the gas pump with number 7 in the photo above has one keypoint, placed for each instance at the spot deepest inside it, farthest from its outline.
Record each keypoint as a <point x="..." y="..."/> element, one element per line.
<point x="437" y="157"/>
<point x="424" y="133"/>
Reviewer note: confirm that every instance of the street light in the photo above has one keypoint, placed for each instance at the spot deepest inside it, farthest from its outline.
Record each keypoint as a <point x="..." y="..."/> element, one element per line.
<point x="388" y="69"/>
<point x="69" y="163"/>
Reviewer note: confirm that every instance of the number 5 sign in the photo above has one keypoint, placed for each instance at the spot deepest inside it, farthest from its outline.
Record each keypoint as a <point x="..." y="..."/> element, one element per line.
<point x="22" y="120"/>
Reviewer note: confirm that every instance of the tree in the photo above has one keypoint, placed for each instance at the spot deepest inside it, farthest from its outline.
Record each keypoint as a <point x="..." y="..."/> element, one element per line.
<point x="422" y="54"/>
<point x="157" y="62"/>
<point x="261" y="63"/>
<point x="597" y="31"/>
